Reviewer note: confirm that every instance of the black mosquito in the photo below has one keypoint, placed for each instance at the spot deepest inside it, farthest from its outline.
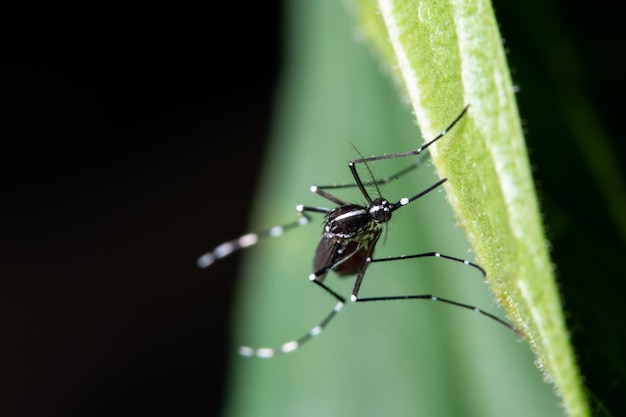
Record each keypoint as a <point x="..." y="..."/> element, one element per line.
<point x="347" y="244"/>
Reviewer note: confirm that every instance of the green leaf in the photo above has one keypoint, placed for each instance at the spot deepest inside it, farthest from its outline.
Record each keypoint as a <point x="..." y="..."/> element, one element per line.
<point x="448" y="54"/>
<point x="404" y="357"/>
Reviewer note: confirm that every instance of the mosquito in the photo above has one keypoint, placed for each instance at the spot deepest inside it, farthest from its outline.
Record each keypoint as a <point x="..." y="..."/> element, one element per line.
<point x="348" y="240"/>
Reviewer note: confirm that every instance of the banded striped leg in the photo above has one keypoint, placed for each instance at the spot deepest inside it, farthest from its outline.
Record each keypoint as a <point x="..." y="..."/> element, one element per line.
<point x="290" y="346"/>
<point x="382" y="181"/>
<point x="295" y="344"/>
<point x="250" y="239"/>
<point x="418" y="150"/>
<point x="368" y="261"/>
<point x="316" y="278"/>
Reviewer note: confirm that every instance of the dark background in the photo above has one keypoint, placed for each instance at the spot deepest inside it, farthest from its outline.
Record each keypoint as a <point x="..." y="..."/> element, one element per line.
<point x="131" y="138"/>
<point x="565" y="59"/>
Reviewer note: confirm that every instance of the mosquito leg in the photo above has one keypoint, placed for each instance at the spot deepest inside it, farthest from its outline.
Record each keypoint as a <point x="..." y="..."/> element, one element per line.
<point x="381" y="181"/>
<point x="428" y="296"/>
<point x="418" y="150"/>
<point x="370" y="260"/>
<point x="446" y="301"/>
<point x="432" y="254"/>
<point x="295" y="344"/>
<point x="320" y="191"/>
<point x="249" y="239"/>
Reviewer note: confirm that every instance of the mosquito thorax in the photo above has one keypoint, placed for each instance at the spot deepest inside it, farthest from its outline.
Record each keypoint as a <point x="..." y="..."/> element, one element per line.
<point x="346" y="221"/>
<point x="380" y="210"/>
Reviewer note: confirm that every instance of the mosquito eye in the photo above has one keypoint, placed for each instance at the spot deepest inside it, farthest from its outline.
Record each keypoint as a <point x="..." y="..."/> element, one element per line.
<point x="381" y="214"/>
<point x="380" y="210"/>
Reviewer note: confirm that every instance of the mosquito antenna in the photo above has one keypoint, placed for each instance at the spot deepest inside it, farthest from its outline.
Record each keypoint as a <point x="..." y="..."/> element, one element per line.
<point x="373" y="182"/>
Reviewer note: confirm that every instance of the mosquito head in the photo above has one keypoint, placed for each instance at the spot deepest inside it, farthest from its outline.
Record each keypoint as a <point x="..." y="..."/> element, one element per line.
<point x="380" y="210"/>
